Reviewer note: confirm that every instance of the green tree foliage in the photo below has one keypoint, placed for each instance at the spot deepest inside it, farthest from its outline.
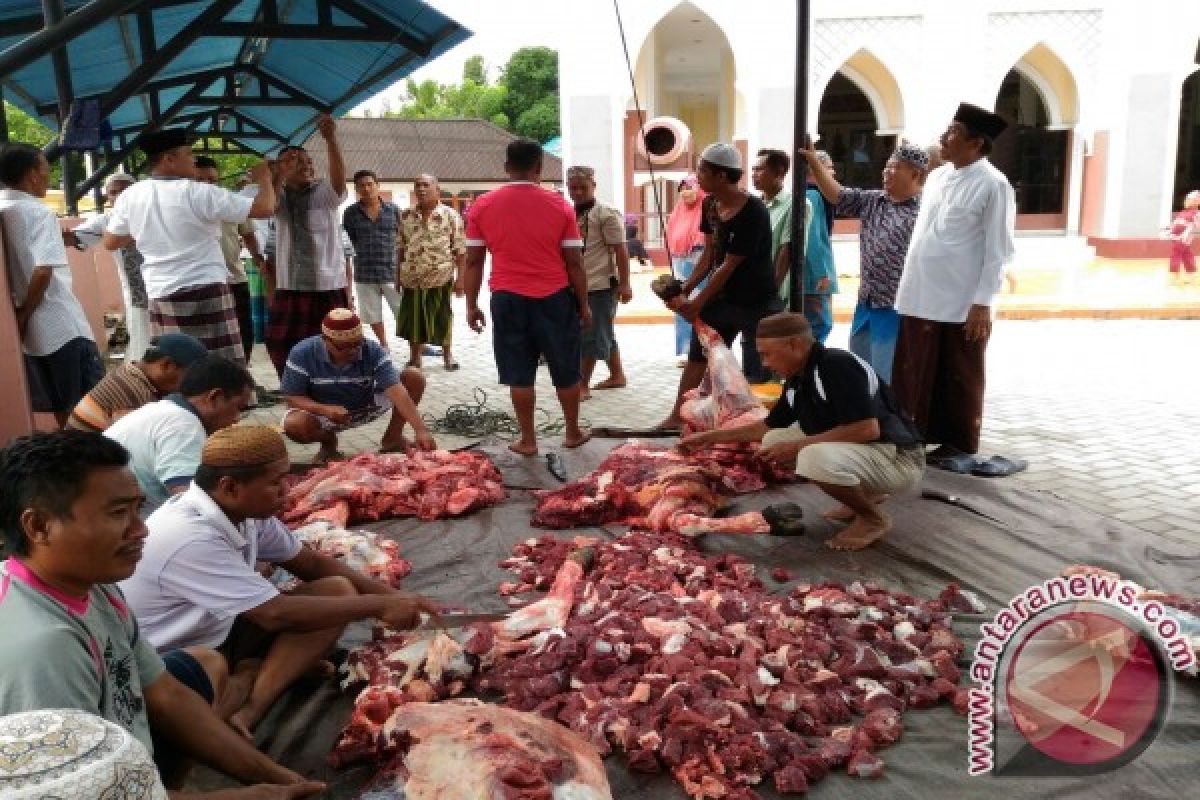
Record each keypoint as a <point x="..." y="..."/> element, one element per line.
<point x="531" y="73"/>
<point x="24" y="128"/>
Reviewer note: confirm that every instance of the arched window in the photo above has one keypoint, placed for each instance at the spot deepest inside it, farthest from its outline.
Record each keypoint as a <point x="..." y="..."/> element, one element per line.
<point x="847" y="127"/>
<point x="1032" y="155"/>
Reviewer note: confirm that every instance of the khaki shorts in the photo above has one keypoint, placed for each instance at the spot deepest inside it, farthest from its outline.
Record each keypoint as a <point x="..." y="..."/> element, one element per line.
<point x="370" y="301"/>
<point x="878" y="467"/>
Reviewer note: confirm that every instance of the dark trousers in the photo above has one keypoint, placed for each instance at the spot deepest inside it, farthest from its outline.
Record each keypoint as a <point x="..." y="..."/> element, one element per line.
<point x="245" y="315"/>
<point x="938" y="377"/>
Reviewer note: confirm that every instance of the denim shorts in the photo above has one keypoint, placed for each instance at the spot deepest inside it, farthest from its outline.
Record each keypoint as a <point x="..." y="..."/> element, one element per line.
<point x="525" y="328"/>
<point x="601" y="339"/>
<point x="188" y="671"/>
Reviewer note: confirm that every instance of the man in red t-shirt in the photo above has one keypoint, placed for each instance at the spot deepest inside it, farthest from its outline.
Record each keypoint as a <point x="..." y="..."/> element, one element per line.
<point x="539" y="289"/>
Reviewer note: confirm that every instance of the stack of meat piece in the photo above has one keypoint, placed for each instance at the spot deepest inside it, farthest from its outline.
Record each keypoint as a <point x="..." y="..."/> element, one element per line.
<point x="686" y="664"/>
<point x="364" y="551"/>
<point x="662" y="490"/>
<point x="369" y="487"/>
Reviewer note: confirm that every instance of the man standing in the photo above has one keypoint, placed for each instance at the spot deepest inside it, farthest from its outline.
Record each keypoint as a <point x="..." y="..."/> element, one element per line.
<point x="820" y="271"/>
<point x="129" y="268"/>
<point x="175" y="222"/>
<point x="432" y="250"/>
<point x="135" y="383"/>
<point x="837" y="424"/>
<point x="372" y="225"/>
<point x="197" y="585"/>
<point x="962" y="238"/>
<point x="887" y="218"/>
<point x="606" y="263"/>
<point x="164" y="439"/>
<point x="539" y="290"/>
<point x="340" y="380"/>
<point x="61" y="358"/>
<point x="69" y="521"/>
<point x="305" y="256"/>
<point x="231" y="250"/>
<point x="768" y="175"/>
<point x="736" y="260"/>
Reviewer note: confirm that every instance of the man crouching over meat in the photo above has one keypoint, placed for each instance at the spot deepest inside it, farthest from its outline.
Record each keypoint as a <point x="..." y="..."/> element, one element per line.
<point x="197" y="585"/>
<point x="339" y="380"/>
<point x="838" y="423"/>
<point x="69" y="522"/>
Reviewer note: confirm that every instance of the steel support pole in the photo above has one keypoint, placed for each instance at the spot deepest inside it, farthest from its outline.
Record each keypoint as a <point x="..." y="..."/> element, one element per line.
<point x="52" y="12"/>
<point x="799" y="164"/>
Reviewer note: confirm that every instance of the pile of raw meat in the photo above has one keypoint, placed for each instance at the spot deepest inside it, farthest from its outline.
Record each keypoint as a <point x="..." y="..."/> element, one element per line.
<point x="367" y="552"/>
<point x="369" y="487"/>
<point x="662" y="490"/>
<point x="684" y="663"/>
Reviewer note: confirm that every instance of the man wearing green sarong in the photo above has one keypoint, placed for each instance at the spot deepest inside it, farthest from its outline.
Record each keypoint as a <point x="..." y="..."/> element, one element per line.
<point x="431" y="249"/>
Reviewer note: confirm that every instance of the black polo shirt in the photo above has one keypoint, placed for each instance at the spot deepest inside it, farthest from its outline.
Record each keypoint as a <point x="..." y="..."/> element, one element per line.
<point x="747" y="233"/>
<point x="839" y="388"/>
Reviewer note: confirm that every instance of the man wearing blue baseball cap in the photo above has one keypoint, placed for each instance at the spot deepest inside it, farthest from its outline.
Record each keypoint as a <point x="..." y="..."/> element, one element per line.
<point x="133" y="385"/>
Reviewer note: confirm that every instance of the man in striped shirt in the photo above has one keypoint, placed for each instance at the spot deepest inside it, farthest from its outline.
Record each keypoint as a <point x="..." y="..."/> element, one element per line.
<point x="131" y="386"/>
<point x="339" y="380"/>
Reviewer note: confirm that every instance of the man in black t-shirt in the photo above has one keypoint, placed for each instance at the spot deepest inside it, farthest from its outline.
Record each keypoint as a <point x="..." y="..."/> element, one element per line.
<point x="837" y="423"/>
<point x="736" y="261"/>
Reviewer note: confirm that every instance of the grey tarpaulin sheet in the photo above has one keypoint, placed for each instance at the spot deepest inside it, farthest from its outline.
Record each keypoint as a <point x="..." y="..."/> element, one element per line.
<point x="1012" y="538"/>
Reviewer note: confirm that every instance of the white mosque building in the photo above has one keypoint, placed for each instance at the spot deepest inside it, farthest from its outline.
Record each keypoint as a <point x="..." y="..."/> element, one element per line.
<point x="1103" y="97"/>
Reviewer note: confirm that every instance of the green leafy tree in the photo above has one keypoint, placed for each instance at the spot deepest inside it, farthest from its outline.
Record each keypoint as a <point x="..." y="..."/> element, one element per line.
<point x="531" y="78"/>
<point x="475" y="70"/>
<point x="541" y="121"/>
<point x="24" y="128"/>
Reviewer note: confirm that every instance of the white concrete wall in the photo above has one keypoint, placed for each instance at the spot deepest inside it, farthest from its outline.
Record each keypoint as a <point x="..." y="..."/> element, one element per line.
<point x="1127" y="59"/>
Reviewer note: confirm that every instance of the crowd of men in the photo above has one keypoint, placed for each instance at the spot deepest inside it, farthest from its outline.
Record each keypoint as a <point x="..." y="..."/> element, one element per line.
<point x="138" y="536"/>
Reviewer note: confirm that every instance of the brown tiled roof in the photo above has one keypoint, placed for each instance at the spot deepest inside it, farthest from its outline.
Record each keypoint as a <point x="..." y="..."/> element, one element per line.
<point x="453" y="150"/>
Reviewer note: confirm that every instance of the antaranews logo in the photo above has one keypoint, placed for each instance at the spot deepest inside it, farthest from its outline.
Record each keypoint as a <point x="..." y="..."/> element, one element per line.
<point x="1073" y="677"/>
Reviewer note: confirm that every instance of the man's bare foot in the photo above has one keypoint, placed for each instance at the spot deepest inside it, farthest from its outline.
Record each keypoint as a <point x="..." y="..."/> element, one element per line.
<point x="402" y="445"/>
<point x="861" y="533"/>
<point x="611" y="382"/>
<point x="326" y="454"/>
<point x="585" y="395"/>
<point x="524" y="448"/>
<point x="576" y="438"/>
<point x="845" y="514"/>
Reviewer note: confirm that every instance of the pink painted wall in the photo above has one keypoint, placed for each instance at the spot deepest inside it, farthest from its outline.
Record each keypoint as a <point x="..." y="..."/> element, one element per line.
<point x="17" y="419"/>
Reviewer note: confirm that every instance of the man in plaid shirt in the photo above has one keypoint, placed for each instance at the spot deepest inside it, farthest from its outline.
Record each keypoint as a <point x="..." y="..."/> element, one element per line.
<point x="371" y="224"/>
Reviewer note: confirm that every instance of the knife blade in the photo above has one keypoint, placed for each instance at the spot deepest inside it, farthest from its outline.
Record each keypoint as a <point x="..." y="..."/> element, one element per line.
<point x="452" y="620"/>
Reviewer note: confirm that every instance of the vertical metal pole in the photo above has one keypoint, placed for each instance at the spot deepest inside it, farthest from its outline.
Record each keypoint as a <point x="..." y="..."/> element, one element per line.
<point x="799" y="165"/>
<point x="52" y="12"/>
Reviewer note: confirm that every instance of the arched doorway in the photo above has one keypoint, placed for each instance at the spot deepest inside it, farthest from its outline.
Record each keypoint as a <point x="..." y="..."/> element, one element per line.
<point x="849" y="130"/>
<point x="1033" y="153"/>
<point x="1187" y="157"/>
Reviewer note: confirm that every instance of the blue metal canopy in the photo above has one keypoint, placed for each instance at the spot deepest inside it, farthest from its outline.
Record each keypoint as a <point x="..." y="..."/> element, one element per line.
<point x="253" y="73"/>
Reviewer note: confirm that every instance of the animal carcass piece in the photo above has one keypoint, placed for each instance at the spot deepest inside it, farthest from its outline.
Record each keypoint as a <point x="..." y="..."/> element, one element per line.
<point x="467" y="750"/>
<point x="723" y="399"/>
<point x="364" y="551"/>
<point x="368" y="487"/>
<point x="660" y="490"/>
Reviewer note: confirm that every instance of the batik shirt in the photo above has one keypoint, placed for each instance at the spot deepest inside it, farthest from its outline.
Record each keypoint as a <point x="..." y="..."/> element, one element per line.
<point x="85" y="653"/>
<point x="887" y="228"/>
<point x="430" y="246"/>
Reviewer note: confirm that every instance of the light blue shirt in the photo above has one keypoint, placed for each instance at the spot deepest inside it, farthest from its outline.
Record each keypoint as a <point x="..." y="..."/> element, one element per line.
<point x="164" y="441"/>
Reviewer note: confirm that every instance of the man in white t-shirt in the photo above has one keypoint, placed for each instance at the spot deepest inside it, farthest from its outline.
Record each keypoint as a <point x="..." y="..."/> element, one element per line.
<point x="175" y="221"/>
<point x="61" y="359"/>
<point x="305" y="256"/>
<point x="197" y="580"/>
<point x="164" y="439"/>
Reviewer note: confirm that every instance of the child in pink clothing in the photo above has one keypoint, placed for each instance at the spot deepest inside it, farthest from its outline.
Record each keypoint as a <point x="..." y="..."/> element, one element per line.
<point x="1181" y="232"/>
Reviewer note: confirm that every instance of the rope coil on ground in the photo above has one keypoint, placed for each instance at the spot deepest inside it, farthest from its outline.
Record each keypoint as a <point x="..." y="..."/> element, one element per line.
<point x="476" y="420"/>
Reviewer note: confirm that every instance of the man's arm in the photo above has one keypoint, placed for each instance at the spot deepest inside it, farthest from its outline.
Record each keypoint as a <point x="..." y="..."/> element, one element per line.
<point x="624" y="286"/>
<point x="472" y="283"/>
<point x="301" y="613"/>
<point x="752" y="432"/>
<point x="182" y="717"/>
<point x="822" y="175"/>
<point x="718" y="279"/>
<point x="403" y="403"/>
<point x="577" y="278"/>
<point x="39" y="281"/>
<point x="783" y="263"/>
<point x="309" y="565"/>
<point x="702" y="266"/>
<point x="265" y="201"/>
<point x="115" y="241"/>
<point x="337" y="165"/>
<point x="998" y="222"/>
<point x="861" y="432"/>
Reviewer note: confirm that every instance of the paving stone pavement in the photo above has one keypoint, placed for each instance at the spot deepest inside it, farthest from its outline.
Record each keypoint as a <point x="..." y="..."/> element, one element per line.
<point x="1104" y="410"/>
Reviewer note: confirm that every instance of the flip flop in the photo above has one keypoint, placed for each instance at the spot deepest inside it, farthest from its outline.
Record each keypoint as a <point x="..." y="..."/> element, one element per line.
<point x="999" y="467"/>
<point x="960" y="464"/>
<point x="453" y="365"/>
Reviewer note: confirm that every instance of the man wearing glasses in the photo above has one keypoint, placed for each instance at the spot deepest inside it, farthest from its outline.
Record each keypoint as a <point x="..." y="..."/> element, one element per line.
<point x="338" y="380"/>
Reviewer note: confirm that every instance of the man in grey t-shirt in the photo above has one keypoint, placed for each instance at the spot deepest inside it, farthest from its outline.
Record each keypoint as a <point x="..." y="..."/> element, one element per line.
<point x="69" y="518"/>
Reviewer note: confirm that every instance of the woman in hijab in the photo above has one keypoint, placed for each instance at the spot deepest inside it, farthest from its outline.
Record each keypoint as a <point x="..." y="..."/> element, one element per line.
<point x="685" y="243"/>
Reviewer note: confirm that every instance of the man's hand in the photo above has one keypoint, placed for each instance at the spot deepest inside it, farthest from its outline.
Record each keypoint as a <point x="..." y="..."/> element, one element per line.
<point x="424" y="440"/>
<point x="403" y="611"/>
<point x="476" y="319"/>
<point x="265" y="791"/>
<point x="782" y="453"/>
<point x="624" y="293"/>
<point x="70" y="239"/>
<point x="684" y="308"/>
<point x="585" y="316"/>
<point x="979" y="323"/>
<point x="809" y="150"/>
<point x="327" y="127"/>
<point x="460" y="288"/>
<point x="697" y="440"/>
<point x="338" y="415"/>
<point x="822" y="286"/>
